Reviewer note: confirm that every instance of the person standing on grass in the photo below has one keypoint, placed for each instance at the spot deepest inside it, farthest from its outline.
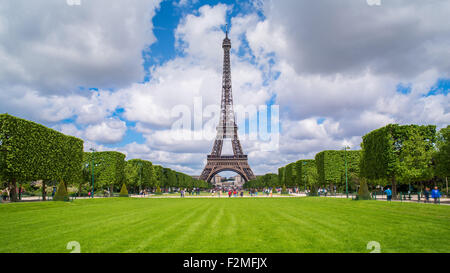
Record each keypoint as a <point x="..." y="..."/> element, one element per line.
<point x="436" y="194"/>
<point x="426" y="193"/>
<point x="388" y="194"/>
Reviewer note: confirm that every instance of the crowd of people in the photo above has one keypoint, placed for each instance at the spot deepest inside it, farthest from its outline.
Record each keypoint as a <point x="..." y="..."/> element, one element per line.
<point x="435" y="194"/>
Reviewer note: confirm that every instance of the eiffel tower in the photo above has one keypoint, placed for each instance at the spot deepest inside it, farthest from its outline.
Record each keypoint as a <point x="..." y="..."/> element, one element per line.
<point x="227" y="128"/>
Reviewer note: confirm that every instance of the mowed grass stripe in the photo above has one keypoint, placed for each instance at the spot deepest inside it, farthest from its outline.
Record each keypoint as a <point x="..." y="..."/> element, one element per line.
<point x="224" y="225"/>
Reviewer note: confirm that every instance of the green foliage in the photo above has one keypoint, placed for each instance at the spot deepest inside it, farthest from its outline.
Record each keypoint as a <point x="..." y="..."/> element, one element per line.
<point x="30" y="151"/>
<point x="288" y="175"/>
<point x="109" y="168"/>
<point x="123" y="191"/>
<point x="331" y="165"/>
<point x="398" y="152"/>
<point x="139" y="173"/>
<point x="306" y="172"/>
<point x="363" y="191"/>
<point x="281" y="176"/>
<point x="264" y="181"/>
<point x="442" y="155"/>
<point x="158" y="190"/>
<point x="61" y="193"/>
<point x="284" y="190"/>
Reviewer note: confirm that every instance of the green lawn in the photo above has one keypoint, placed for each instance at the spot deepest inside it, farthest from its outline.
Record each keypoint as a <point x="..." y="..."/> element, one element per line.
<point x="224" y="225"/>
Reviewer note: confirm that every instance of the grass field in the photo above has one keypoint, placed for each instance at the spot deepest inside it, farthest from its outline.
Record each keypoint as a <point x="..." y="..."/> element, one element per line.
<point x="224" y="225"/>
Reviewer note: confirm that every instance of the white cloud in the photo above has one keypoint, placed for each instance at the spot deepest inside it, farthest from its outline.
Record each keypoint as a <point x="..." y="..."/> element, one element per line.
<point x="109" y="131"/>
<point x="342" y="67"/>
<point x="53" y="47"/>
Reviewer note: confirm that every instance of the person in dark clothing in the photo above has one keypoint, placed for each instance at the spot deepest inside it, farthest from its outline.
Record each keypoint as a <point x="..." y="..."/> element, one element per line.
<point x="388" y="194"/>
<point x="426" y="193"/>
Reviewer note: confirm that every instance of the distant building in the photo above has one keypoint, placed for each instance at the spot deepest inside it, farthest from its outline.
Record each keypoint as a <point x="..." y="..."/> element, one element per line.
<point x="217" y="179"/>
<point x="238" y="181"/>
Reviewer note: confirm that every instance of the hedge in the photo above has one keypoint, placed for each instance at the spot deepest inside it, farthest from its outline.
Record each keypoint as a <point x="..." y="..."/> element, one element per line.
<point x="331" y="165"/>
<point x="31" y="151"/>
<point x="108" y="168"/>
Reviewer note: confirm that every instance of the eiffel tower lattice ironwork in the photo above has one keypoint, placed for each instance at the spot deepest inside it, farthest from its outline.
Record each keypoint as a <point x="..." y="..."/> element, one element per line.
<point x="227" y="128"/>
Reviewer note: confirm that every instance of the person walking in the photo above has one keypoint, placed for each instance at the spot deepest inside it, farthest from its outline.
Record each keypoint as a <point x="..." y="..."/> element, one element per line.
<point x="388" y="194"/>
<point x="235" y="193"/>
<point x="426" y="193"/>
<point x="89" y="194"/>
<point x="436" y="195"/>
<point x="229" y="193"/>
<point x="5" y="194"/>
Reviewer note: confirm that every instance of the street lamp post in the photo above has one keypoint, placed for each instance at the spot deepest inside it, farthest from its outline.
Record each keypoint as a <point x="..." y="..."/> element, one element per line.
<point x="346" y="177"/>
<point x="93" y="150"/>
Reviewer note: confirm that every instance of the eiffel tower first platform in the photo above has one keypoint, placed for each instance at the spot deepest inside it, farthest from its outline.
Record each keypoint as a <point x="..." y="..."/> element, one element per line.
<point x="227" y="128"/>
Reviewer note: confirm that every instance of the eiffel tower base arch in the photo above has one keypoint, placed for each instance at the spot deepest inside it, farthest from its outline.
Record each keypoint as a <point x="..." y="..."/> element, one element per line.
<point x="217" y="164"/>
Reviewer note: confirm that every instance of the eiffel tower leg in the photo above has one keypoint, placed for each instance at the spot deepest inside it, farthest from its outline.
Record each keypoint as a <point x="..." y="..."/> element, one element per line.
<point x="217" y="148"/>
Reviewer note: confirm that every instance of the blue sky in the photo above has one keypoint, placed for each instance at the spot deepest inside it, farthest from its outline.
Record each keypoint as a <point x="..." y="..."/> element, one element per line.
<point x="115" y="75"/>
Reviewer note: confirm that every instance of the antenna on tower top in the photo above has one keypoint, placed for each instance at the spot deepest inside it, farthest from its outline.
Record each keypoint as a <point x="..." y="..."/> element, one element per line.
<point x="226" y="30"/>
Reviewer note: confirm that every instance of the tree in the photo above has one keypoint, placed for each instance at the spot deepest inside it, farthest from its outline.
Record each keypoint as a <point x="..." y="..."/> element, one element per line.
<point x="61" y="193"/>
<point x="442" y="154"/>
<point x="158" y="175"/>
<point x="108" y="168"/>
<point x="388" y="153"/>
<point x="307" y="174"/>
<point x="289" y="175"/>
<point x="281" y="176"/>
<point x="331" y="166"/>
<point x="123" y="191"/>
<point x="31" y="151"/>
<point x="139" y="173"/>
<point x="363" y="191"/>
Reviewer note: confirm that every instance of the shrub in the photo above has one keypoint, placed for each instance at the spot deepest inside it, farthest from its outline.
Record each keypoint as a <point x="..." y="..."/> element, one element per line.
<point x="363" y="192"/>
<point x="158" y="190"/>
<point x="284" y="190"/>
<point x="61" y="193"/>
<point x="123" y="191"/>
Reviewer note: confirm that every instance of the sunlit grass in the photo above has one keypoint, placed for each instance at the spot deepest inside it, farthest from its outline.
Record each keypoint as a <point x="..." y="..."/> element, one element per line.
<point x="224" y="225"/>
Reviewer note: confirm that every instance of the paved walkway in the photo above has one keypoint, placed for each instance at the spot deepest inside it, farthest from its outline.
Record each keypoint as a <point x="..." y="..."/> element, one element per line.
<point x="444" y="201"/>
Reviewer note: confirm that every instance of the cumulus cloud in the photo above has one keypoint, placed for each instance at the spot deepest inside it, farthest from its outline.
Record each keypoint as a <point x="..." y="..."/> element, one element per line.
<point x="54" y="47"/>
<point x="403" y="37"/>
<point x="333" y="67"/>
<point x="109" y="131"/>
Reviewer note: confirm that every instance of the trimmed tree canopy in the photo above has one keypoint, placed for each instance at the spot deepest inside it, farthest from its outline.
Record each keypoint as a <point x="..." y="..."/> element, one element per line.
<point x="398" y="151"/>
<point x="31" y="151"/>
<point x="331" y="165"/>
<point x="108" y="167"/>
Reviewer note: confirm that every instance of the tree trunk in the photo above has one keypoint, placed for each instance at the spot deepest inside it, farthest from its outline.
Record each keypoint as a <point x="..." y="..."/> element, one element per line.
<point x="394" y="188"/>
<point x="43" y="191"/>
<point x="111" y="188"/>
<point x="13" y="190"/>
<point x="79" y="191"/>
<point x="446" y="184"/>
